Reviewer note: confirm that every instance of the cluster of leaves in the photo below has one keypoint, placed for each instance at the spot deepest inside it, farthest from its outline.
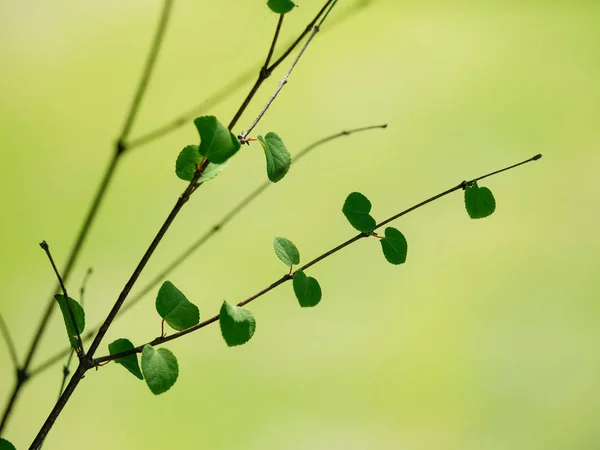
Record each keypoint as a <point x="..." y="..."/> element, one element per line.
<point x="218" y="144"/>
<point x="159" y="366"/>
<point x="357" y="210"/>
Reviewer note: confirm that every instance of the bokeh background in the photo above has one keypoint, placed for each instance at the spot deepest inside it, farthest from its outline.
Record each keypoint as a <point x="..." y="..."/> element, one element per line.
<point x="486" y="339"/>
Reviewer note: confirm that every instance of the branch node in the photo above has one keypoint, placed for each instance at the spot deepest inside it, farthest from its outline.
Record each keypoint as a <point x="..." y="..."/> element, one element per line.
<point x="22" y="376"/>
<point x="120" y="146"/>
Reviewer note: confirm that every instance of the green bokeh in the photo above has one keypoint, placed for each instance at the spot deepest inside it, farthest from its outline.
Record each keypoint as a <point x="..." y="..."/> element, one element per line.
<point x="486" y="339"/>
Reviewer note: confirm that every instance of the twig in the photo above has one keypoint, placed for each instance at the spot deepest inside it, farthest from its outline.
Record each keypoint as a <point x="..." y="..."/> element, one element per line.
<point x="234" y="211"/>
<point x="147" y="72"/>
<point x="9" y="342"/>
<point x="283" y="82"/>
<point x="86" y="363"/>
<point x="287" y="277"/>
<point x="237" y="83"/>
<point x="119" y="149"/>
<point x="79" y="348"/>
<point x="266" y="70"/>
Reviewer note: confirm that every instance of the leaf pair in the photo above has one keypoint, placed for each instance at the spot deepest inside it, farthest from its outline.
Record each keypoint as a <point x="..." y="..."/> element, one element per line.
<point x="357" y="210"/>
<point x="307" y="289"/>
<point x="188" y="161"/>
<point x="159" y="366"/>
<point x="217" y="145"/>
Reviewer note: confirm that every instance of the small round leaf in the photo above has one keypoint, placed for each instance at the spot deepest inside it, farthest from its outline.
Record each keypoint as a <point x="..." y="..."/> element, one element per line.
<point x="175" y="308"/>
<point x="160" y="369"/>
<point x="278" y="156"/>
<point x="237" y="324"/>
<point x="479" y="201"/>
<point x="286" y="251"/>
<point x="356" y="209"/>
<point x="130" y="362"/>
<point x="394" y="246"/>
<point x="307" y="289"/>
<point x="281" y="6"/>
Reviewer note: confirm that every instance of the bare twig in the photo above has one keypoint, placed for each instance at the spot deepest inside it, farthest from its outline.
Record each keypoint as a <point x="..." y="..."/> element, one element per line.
<point x="266" y="70"/>
<point x="119" y="149"/>
<point x="177" y="261"/>
<point x="283" y="82"/>
<point x="287" y="277"/>
<point x="12" y="350"/>
<point x="230" y="88"/>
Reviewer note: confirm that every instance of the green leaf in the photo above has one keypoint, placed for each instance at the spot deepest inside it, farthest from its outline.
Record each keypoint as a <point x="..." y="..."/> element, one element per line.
<point x="286" y="251"/>
<point x="281" y="6"/>
<point x="5" y="445"/>
<point x="175" y="308"/>
<point x="394" y="246"/>
<point x="129" y="362"/>
<point x="356" y="209"/>
<point x="188" y="161"/>
<point x="278" y="157"/>
<point x="479" y="202"/>
<point x="237" y="324"/>
<point x="217" y="143"/>
<point x="160" y="369"/>
<point x="211" y="171"/>
<point x="79" y="318"/>
<point x="307" y="289"/>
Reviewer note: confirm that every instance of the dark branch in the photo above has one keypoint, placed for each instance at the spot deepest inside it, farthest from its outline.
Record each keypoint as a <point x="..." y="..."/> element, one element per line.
<point x="265" y="71"/>
<point x="229" y="89"/>
<point x="46" y="248"/>
<point x="287" y="277"/>
<point x="284" y="81"/>
<point x="147" y="72"/>
<point x="9" y="342"/>
<point x="233" y="212"/>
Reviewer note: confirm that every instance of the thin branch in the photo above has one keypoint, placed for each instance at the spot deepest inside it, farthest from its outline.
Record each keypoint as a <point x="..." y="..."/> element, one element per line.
<point x="287" y="277"/>
<point x="283" y="82"/>
<point x="147" y="72"/>
<point x="237" y="83"/>
<point x="119" y="149"/>
<point x="233" y="212"/>
<point x="274" y="43"/>
<point x="46" y="248"/>
<point x="85" y="363"/>
<point x="9" y="342"/>
<point x="266" y="70"/>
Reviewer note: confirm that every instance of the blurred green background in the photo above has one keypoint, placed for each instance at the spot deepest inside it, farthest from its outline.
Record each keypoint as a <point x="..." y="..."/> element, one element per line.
<point x="486" y="339"/>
